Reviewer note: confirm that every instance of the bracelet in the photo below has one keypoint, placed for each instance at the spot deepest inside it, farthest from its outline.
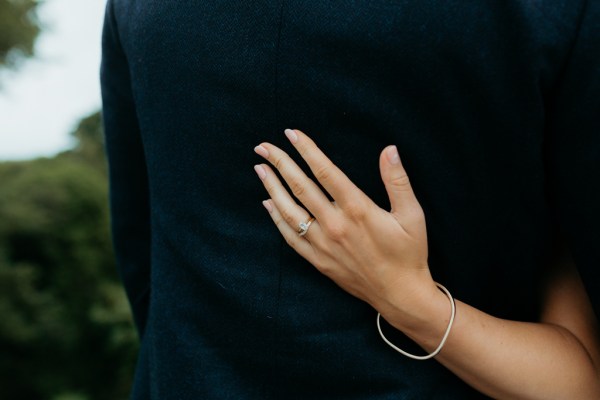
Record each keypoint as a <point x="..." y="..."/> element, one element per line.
<point x="439" y="348"/>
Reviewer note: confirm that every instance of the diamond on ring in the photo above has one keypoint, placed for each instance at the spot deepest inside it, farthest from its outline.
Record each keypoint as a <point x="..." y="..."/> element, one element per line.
<point x="303" y="226"/>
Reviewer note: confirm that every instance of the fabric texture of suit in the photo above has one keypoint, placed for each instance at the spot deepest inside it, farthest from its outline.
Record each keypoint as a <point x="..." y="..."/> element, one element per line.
<point x="494" y="107"/>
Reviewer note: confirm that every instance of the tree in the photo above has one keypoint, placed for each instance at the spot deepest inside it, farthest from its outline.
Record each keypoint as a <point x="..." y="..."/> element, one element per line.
<point x="66" y="330"/>
<point x="89" y="143"/>
<point x="19" y="27"/>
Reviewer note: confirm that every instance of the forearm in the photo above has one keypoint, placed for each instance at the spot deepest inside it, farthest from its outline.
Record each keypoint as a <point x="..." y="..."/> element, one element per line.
<point x="505" y="359"/>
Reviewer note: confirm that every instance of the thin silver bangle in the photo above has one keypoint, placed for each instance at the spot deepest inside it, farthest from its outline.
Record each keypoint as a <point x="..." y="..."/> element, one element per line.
<point x="442" y="343"/>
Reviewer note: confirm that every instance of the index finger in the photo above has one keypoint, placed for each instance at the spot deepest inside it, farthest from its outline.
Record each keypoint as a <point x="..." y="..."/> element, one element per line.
<point x="335" y="182"/>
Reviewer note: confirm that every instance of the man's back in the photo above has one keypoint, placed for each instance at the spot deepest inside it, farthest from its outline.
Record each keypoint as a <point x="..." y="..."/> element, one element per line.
<point x="477" y="96"/>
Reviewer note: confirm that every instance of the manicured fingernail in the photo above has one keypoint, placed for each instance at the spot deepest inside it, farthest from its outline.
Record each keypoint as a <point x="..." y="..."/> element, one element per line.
<point x="268" y="206"/>
<point x="392" y="155"/>
<point x="291" y="134"/>
<point x="261" y="151"/>
<point x="260" y="171"/>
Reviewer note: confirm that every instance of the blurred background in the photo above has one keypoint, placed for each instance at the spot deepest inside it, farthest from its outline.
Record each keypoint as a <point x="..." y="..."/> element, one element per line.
<point x="65" y="327"/>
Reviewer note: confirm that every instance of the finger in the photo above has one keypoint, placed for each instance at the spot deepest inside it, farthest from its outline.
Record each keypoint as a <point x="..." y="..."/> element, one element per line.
<point x="303" y="188"/>
<point x="298" y="243"/>
<point x="337" y="184"/>
<point x="290" y="211"/>
<point x="397" y="184"/>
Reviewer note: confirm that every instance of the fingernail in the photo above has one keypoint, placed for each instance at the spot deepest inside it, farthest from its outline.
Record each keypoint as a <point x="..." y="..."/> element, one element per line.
<point x="291" y="135"/>
<point x="392" y="155"/>
<point x="261" y="151"/>
<point x="268" y="206"/>
<point x="260" y="171"/>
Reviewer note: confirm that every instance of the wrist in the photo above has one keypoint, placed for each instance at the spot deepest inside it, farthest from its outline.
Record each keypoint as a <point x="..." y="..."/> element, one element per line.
<point x="422" y="312"/>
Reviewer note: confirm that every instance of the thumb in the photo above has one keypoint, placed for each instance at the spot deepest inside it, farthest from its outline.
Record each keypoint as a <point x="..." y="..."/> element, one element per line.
<point x="397" y="184"/>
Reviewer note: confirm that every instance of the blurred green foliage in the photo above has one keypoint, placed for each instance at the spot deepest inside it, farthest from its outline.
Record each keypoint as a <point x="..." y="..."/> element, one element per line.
<point x="19" y="27"/>
<point x="65" y="326"/>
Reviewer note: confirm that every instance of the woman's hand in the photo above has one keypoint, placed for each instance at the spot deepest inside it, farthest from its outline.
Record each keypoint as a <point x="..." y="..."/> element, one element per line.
<point x="381" y="258"/>
<point x="376" y="255"/>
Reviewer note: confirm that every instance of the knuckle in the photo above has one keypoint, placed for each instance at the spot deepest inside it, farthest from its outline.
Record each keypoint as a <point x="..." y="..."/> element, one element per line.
<point x="323" y="173"/>
<point x="318" y="265"/>
<point x="355" y="210"/>
<point x="325" y="269"/>
<point x="417" y="215"/>
<point x="290" y="242"/>
<point x="335" y="230"/>
<point x="279" y="222"/>
<point x="287" y="217"/>
<point x="280" y="161"/>
<point x="298" y="189"/>
<point x="412" y="219"/>
<point x="270" y="186"/>
<point x="400" y="182"/>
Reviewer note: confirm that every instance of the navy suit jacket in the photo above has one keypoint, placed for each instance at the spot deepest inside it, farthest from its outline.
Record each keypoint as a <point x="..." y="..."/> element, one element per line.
<point x="494" y="106"/>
